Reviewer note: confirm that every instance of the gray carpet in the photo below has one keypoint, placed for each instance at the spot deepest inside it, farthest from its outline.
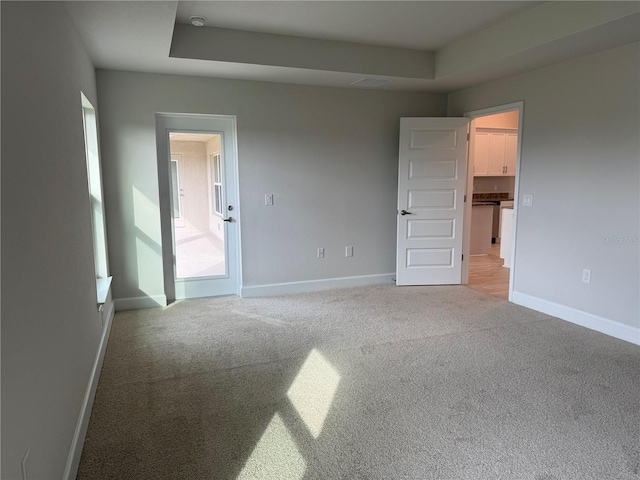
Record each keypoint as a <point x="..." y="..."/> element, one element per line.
<point x="368" y="383"/>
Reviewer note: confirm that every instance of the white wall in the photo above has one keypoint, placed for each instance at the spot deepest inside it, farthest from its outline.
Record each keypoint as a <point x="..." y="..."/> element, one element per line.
<point x="499" y="120"/>
<point x="194" y="186"/>
<point x="51" y="328"/>
<point x="580" y="161"/>
<point x="328" y="155"/>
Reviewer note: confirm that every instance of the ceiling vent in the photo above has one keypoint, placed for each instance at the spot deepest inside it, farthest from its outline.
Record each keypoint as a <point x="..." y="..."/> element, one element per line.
<point x="371" y="82"/>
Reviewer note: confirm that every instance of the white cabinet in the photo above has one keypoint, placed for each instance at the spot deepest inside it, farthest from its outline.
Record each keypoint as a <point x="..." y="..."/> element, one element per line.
<point x="511" y="152"/>
<point x="481" y="154"/>
<point x="495" y="153"/>
<point x="497" y="147"/>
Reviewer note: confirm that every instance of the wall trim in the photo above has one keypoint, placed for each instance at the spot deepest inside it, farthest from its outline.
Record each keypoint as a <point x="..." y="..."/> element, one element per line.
<point x="75" y="452"/>
<point x="137" y="303"/>
<point x="584" y="319"/>
<point x="315" y="285"/>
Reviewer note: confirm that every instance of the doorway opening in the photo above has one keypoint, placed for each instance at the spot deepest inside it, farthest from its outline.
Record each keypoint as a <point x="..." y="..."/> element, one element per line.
<point x="198" y="183"/>
<point x="494" y="152"/>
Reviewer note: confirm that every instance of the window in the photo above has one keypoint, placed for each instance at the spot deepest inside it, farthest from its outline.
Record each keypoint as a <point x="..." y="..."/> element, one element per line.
<point x="175" y="188"/>
<point x="94" y="177"/>
<point x="216" y="180"/>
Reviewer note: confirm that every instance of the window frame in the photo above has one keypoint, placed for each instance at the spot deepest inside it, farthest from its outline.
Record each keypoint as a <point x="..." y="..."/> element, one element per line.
<point x="95" y="199"/>
<point x="217" y="190"/>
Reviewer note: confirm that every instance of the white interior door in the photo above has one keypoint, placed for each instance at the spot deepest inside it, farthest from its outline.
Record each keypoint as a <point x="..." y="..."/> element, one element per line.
<point x="198" y="205"/>
<point x="432" y="177"/>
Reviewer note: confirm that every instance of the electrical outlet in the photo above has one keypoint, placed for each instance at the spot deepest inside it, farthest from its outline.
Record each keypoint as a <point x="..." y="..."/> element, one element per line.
<point x="527" y="200"/>
<point x="321" y="253"/>
<point x="586" y="276"/>
<point x="24" y="465"/>
<point x="268" y="199"/>
<point x="348" y="252"/>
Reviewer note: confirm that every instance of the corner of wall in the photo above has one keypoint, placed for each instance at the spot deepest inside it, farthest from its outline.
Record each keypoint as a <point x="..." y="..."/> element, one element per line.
<point x="77" y="443"/>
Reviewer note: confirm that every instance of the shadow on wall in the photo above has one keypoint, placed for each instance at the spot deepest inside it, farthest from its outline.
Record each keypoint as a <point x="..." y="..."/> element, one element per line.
<point x="148" y="244"/>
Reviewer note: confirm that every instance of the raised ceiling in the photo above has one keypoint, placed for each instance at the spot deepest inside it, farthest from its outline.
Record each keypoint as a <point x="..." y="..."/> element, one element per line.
<point x="418" y="45"/>
<point x="414" y="25"/>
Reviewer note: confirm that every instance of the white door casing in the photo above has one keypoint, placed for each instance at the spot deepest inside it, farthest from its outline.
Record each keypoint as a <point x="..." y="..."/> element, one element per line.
<point x="229" y="283"/>
<point x="432" y="175"/>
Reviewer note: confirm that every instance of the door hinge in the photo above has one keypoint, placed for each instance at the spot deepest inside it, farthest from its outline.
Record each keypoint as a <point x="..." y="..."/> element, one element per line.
<point x="465" y="199"/>
<point x="468" y="137"/>
<point x="462" y="257"/>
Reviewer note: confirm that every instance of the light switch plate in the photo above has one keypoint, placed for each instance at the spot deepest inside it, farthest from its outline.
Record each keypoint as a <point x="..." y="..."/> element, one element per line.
<point x="268" y="199"/>
<point x="527" y="200"/>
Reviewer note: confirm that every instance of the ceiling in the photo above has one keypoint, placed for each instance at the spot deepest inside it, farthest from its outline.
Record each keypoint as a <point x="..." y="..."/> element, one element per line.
<point x="415" y="25"/>
<point x="415" y="45"/>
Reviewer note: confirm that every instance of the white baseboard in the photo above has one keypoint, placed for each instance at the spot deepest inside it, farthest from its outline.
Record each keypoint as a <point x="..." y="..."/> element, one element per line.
<point x="138" y="303"/>
<point x="315" y="285"/>
<point x="584" y="319"/>
<point x="75" y="452"/>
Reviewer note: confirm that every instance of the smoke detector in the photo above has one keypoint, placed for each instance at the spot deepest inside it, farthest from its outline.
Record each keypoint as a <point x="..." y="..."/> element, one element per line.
<point x="198" y="21"/>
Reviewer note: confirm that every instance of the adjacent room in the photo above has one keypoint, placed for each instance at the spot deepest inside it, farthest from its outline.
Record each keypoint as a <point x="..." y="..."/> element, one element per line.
<point x="320" y="240"/>
<point x="197" y="200"/>
<point x="493" y="158"/>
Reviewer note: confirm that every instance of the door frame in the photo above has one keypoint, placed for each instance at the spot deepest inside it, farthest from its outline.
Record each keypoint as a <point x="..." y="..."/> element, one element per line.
<point x="234" y="256"/>
<point x="473" y="114"/>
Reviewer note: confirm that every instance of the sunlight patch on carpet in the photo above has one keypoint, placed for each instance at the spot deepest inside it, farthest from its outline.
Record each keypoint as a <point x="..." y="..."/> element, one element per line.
<point x="275" y="456"/>
<point x="311" y="393"/>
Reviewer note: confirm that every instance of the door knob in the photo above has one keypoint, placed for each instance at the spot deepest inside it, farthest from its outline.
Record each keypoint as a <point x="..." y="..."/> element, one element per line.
<point x="230" y="219"/>
<point x="404" y="212"/>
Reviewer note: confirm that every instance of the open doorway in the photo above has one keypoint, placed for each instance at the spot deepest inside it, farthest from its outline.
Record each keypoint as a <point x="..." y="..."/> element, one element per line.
<point x="494" y="151"/>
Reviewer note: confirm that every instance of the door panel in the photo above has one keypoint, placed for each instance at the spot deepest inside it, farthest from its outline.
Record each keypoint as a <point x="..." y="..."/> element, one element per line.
<point x="431" y="186"/>
<point x="430" y="228"/>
